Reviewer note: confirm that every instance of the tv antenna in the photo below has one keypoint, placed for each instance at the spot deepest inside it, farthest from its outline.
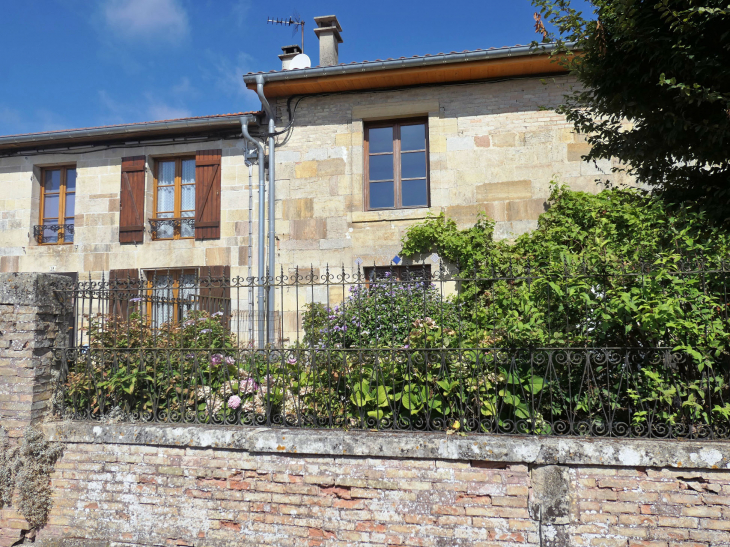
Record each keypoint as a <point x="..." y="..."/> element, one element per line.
<point x="294" y="21"/>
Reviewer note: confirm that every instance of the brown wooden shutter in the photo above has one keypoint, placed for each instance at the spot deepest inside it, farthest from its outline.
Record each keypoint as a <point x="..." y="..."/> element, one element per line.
<point x="123" y="286"/>
<point x="208" y="194"/>
<point x="216" y="295"/>
<point x="131" y="202"/>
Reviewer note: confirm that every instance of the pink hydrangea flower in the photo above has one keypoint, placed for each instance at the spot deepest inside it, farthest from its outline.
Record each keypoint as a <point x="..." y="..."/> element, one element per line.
<point x="234" y="401"/>
<point x="230" y="360"/>
<point x="216" y="359"/>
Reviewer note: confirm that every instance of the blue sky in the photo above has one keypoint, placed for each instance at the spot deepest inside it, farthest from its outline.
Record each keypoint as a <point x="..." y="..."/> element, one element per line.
<point x="78" y="63"/>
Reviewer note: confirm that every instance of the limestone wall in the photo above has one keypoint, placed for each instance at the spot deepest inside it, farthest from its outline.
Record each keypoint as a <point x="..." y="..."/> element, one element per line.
<point x="96" y="246"/>
<point x="492" y="149"/>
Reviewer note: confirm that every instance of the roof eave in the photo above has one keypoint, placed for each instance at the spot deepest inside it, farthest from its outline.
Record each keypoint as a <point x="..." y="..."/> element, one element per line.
<point x="145" y="130"/>
<point x="352" y="69"/>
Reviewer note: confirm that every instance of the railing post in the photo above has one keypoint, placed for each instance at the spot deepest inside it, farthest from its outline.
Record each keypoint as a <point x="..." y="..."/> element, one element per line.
<point x="35" y="318"/>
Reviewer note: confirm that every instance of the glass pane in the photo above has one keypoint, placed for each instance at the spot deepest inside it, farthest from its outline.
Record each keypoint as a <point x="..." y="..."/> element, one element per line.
<point x="187" y="293"/>
<point x="68" y="237"/>
<point x="53" y="180"/>
<point x="381" y="167"/>
<point x="413" y="137"/>
<point x="70" y="205"/>
<point x="165" y="198"/>
<point x="188" y="197"/>
<point x="415" y="193"/>
<point x="187" y="229"/>
<point x="165" y="231"/>
<point x="381" y="194"/>
<point x="166" y="174"/>
<point x="188" y="172"/>
<point x="50" y="236"/>
<point x="162" y="295"/>
<point x="71" y="180"/>
<point x="381" y="139"/>
<point x="50" y="206"/>
<point x="413" y="165"/>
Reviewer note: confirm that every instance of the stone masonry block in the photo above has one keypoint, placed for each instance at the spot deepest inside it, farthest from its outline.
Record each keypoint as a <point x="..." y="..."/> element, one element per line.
<point x="526" y="209"/>
<point x="311" y="229"/>
<point x="504" y="191"/>
<point x="577" y="150"/>
<point x="504" y="139"/>
<point x="334" y="166"/>
<point x="305" y="170"/>
<point x="482" y="141"/>
<point x="298" y="209"/>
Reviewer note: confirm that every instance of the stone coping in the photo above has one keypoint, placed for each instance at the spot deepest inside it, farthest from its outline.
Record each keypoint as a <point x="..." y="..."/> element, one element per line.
<point x="408" y="444"/>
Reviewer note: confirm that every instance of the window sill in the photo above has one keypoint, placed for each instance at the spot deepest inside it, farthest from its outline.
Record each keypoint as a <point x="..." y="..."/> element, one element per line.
<point x="390" y="215"/>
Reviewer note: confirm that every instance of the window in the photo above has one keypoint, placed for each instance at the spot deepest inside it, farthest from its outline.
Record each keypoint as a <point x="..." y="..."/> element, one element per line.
<point x="397" y="273"/>
<point x="174" y="199"/>
<point x="396" y="165"/>
<point x="171" y="295"/>
<point x="58" y="205"/>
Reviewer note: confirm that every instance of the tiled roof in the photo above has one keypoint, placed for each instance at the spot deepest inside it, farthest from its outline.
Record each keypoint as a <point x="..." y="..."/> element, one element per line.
<point x="212" y="116"/>
<point x="426" y="56"/>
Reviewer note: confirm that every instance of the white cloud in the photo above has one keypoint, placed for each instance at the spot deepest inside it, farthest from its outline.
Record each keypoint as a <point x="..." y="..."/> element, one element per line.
<point x="13" y="122"/>
<point x="154" y="106"/>
<point x="227" y="74"/>
<point x="162" y="111"/>
<point x="240" y="11"/>
<point x="147" y="20"/>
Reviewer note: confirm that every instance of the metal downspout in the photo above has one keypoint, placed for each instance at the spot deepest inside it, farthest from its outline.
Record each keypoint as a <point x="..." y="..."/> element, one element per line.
<point x="261" y="296"/>
<point x="249" y="257"/>
<point x="272" y="207"/>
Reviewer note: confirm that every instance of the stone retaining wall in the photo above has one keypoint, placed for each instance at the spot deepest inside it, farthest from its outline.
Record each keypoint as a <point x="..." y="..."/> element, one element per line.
<point x="168" y="485"/>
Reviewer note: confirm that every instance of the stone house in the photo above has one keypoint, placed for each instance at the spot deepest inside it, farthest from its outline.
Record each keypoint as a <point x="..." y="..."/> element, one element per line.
<point x="372" y="148"/>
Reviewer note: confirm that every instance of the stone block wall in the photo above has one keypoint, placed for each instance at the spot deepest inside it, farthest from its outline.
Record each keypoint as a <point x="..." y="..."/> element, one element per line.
<point x="175" y="485"/>
<point x="492" y="149"/>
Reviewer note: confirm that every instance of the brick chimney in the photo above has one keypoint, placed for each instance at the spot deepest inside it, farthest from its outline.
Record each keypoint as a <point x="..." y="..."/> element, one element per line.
<point x="289" y="53"/>
<point x="328" y="32"/>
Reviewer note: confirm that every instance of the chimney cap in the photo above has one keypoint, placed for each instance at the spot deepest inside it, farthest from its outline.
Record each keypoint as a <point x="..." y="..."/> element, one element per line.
<point x="292" y="49"/>
<point x="326" y="21"/>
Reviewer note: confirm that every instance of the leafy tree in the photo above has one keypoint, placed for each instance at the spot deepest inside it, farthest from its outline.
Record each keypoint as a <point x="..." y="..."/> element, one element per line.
<point x="611" y="269"/>
<point x="655" y="89"/>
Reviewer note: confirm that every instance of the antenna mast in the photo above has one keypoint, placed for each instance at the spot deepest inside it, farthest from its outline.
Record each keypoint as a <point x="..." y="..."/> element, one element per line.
<point x="293" y="21"/>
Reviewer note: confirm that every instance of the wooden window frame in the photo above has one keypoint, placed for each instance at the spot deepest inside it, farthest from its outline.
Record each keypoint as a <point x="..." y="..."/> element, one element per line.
<point x="61" y="202"/>
<point x="397" y="182"/>
<point x="176" y="274"/>
<point x="177" y="213"/>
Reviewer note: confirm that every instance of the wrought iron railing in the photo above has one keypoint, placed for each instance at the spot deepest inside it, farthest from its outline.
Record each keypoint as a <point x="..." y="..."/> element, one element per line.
<point x="174" y="225"/>
<point x="431" y="352"/>
<point x="52" y="233"/>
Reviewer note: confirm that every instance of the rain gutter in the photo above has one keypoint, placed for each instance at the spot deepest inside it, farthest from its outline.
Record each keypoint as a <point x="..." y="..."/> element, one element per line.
<point x="394" y="64"/>
<point x="117" y="132"/>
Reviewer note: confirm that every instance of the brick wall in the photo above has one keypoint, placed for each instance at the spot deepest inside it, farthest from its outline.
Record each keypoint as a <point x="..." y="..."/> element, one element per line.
<point x="31" y="319"/>
<point x="651" y="507"/>
<point x="152" y="495"/>
<point x="224" y="486"/>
